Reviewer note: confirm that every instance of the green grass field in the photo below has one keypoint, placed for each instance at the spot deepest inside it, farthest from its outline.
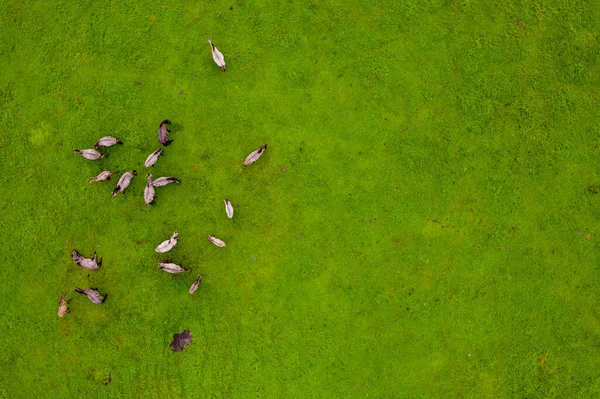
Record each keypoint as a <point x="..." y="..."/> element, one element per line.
<point x="435" y="232"/>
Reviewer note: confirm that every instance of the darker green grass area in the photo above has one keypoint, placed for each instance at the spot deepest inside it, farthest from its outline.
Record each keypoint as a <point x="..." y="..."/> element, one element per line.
<point x="434" y="233"/>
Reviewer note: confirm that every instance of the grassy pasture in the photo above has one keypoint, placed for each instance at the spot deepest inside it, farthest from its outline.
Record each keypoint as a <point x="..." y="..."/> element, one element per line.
<point x="424" y="223"/>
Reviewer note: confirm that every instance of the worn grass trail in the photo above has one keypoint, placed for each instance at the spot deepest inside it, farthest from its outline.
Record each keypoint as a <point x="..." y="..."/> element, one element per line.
<point x="433" y="233"/>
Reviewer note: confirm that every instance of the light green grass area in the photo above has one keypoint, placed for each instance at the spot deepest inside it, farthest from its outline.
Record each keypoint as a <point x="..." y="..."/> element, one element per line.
<point x="435" y="232"/>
